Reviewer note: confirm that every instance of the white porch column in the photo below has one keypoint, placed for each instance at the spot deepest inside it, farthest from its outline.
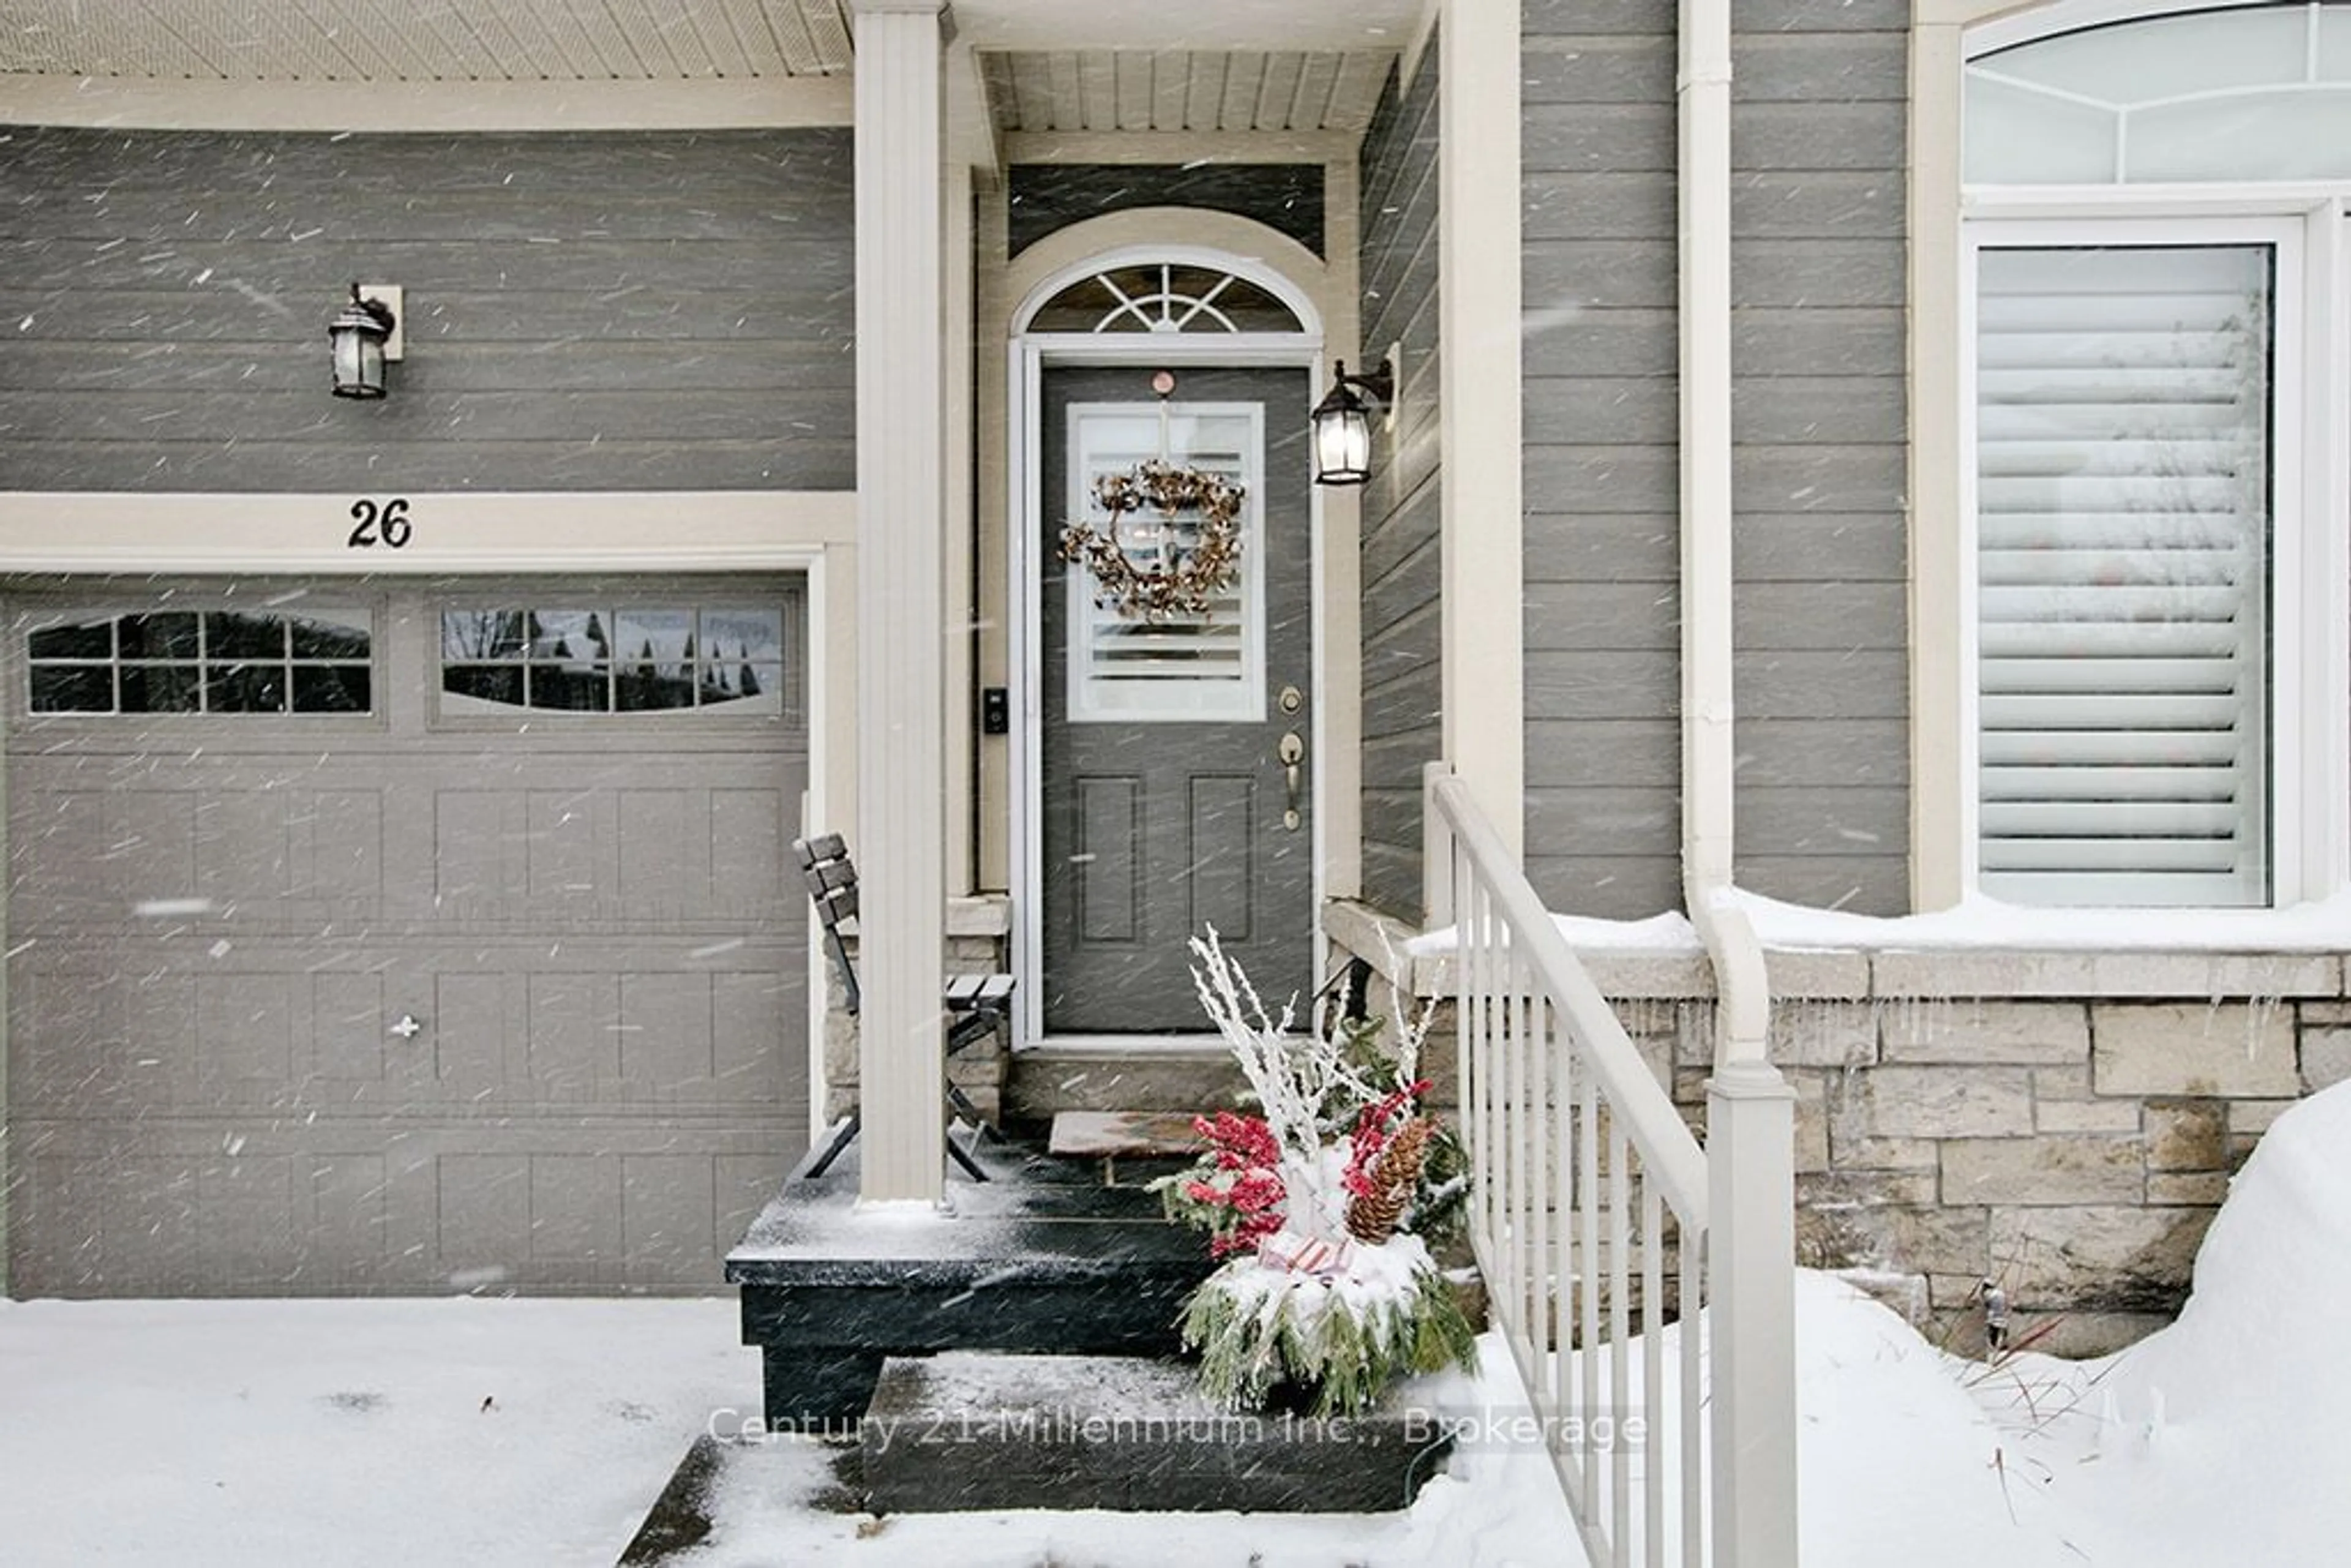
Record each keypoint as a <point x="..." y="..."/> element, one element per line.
<point x="901" y="629"/>
<point x="1479" y="321"/>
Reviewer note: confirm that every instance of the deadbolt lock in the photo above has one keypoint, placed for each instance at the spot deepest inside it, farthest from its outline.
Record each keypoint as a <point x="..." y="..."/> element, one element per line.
<point x="1290" y="699"/>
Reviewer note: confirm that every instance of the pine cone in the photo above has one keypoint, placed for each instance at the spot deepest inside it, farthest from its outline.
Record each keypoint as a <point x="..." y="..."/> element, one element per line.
<point x="1372" y="1216"/>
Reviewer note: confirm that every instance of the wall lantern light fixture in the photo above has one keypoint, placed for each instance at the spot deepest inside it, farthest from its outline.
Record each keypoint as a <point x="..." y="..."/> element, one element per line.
<point x="1342" y="423"/>
<point x="366" y="336"/>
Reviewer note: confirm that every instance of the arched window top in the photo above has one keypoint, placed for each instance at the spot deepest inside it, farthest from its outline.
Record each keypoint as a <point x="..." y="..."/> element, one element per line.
<point x="2250" y="92"/>
<point x="1164" y="296"/>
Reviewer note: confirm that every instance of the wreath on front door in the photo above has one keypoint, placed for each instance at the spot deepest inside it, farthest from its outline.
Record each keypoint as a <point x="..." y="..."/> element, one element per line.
<point x="1153" y="583"/>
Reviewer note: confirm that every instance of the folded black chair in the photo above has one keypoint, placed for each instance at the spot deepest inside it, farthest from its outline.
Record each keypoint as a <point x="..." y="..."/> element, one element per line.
<point x="976" y="1005"/>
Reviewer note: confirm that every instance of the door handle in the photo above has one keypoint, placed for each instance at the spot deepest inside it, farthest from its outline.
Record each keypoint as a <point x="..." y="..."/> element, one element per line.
<point x="1291" y="752"/>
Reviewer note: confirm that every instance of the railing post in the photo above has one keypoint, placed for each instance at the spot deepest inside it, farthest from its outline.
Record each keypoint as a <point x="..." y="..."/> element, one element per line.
<point x="1436" y="849"/>
<point x="1751" y="1312"/>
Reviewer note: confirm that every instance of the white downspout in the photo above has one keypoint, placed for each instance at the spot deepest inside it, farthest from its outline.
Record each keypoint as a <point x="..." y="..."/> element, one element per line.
<point x="1706" y="535"/>
<point x="1750" y="1108"/>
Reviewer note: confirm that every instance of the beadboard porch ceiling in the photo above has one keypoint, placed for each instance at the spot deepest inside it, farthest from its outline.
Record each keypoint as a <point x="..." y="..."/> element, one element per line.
<point x="1046" y="65"/>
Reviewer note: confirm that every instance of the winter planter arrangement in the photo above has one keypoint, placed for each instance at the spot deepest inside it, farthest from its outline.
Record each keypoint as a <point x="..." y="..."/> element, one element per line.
<point x="1322" y="1208"/>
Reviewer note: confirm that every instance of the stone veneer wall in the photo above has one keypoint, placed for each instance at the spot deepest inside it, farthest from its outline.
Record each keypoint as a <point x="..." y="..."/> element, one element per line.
<point x="2065" y="1124"/>
<point x="976" y="944"/>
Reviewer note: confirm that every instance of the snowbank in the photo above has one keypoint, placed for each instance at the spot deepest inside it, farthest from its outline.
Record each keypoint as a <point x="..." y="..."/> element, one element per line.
<point x="1896" y="1463"/>
<point x="2227" y="1437"/>
<point x="2224" y="1439"/>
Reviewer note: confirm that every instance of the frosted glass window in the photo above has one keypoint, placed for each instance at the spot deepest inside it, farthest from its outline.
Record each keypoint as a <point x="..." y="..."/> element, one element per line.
<point x="2165" y="56"/>
<point x="2243" y="94"/>
<point x="2122" y="521"/>
<point x="2334" y="43"/>
<point x="2017" y="136"/>
<point x="2300" y="136"/>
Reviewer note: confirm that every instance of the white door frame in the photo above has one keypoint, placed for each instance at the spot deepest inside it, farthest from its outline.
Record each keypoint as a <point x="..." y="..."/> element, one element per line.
<point x="1029" y="355"/>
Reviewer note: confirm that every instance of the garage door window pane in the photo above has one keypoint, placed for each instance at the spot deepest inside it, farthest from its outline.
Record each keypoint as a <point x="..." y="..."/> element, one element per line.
<point x="236" y="634"/>
<point x="656" y="653"/>
<point x="742" y="657"/>
<point x="218" y="662"/>
<point x="619" y="658"/>
<point x="65" y="688"/>
<point x="85" y="640"/>
<point x="244" y="688"/>
<point x="329" y="635"/>
<point x="468" y="634"/>
<point x="162" y="688"/>
<point x="484" y="682"/>
<point x="174" y="636"/>
<point x="333" y="688"/>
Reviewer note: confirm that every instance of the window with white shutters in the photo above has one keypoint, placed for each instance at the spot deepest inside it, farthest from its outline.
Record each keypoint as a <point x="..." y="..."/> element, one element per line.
<point x="2122" y="505"/>
<point x="1178" y="666"/>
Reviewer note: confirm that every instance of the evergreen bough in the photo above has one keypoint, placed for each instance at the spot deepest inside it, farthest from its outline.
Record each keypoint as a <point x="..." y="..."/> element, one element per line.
<point x="1306" y="1334"/>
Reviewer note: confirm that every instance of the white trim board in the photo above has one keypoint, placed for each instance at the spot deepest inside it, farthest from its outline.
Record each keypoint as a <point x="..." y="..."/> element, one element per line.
<point x="442" y="106"/>
<point x="103" y="531"/>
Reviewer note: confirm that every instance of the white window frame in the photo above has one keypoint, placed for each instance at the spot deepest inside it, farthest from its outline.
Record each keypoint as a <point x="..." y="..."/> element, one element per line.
<point x="2311" y="759"/>
<point x="2297" y="497"/>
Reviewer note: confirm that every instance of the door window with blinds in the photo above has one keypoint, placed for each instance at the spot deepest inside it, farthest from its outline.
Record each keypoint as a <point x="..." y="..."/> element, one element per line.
<point x="1205" y="666"/>
<point x="2126" y="450"/>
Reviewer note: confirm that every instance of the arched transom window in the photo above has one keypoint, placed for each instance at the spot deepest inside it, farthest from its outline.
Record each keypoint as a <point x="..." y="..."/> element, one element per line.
<point x="1164" y="296"/>
<point x="2249" y="92"/>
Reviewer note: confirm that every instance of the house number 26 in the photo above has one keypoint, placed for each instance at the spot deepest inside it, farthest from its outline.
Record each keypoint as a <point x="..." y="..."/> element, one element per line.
<point x="386" y="524"/>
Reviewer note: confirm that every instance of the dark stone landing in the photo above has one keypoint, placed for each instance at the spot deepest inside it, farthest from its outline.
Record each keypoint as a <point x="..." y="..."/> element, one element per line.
<point x="680" y="1519"/>
<point x="1043" y="1258"/>
<point x="972" y="1431"/>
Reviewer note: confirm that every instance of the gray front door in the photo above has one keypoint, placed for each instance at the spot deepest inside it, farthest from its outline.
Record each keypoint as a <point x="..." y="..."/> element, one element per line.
<point x="1168" y="806"/>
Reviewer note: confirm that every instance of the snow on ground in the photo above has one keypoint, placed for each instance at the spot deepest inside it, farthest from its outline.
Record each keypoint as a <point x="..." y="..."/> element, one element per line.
<point x="259" y="1432"/>
<point x="538" y="1433"/>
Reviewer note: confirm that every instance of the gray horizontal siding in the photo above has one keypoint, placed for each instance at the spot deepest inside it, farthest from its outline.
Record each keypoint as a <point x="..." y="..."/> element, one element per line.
<point x="1812" y="546"/>
<point x="1045" y="198"/>
<point x="1402" y="556"/>
<point x="1602" y="544"/>
<point x="1859" y="882"/>
<point x="1807" y="753"/>
<point x="1601" y="753"/>
<point x="605" y="311"/>
<point x="1819" y="420"/>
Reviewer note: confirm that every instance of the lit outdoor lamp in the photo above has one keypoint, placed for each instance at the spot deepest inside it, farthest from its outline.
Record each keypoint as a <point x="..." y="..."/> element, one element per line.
<point x="1342" y="423"/>
<point x="365" y="334"/>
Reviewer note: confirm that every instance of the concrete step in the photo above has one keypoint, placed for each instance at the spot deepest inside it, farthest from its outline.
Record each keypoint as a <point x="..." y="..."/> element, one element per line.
<point x="970" y="1430"/>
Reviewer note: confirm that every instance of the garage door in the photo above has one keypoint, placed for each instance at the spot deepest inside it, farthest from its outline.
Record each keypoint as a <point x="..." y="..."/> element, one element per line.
<point x="367" y="938"/>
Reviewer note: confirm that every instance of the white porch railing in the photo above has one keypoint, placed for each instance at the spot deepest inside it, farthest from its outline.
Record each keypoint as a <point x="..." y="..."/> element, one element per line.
<point x="1599" y="1234"/>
